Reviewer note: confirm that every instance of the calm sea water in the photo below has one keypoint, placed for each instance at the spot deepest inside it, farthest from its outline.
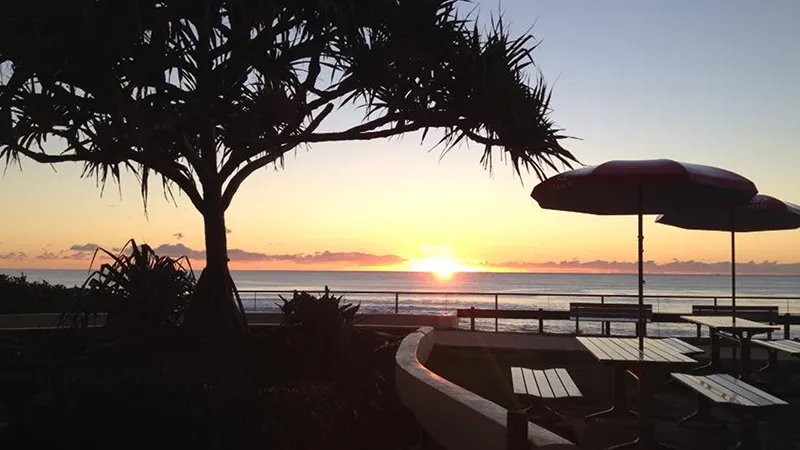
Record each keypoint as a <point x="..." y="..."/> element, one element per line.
<point x="518" y="291"/>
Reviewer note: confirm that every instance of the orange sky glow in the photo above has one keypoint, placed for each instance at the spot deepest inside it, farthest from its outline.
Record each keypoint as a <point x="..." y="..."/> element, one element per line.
<point x="621" y="82"/>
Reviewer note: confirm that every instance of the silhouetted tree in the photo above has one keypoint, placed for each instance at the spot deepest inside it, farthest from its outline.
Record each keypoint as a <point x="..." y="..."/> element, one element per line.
<point x="204" y="93"/>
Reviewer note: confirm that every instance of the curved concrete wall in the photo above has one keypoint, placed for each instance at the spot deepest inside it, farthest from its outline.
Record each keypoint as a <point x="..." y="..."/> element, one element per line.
<point x="453" y="416"/>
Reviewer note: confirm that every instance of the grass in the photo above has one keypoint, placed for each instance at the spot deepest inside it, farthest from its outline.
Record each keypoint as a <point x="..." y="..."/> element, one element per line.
<point x="485" y="372"/>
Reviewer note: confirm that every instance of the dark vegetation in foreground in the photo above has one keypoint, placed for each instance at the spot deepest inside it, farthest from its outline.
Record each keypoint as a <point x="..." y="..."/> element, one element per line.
<point x="486" y="372"/>
<point x="18" y="295"/>
<point x="91" y="389"/>
<point x="141" y="381"/>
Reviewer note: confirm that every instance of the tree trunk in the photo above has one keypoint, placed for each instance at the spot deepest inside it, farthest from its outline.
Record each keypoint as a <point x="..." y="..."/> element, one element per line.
<point x="213" y="310"/>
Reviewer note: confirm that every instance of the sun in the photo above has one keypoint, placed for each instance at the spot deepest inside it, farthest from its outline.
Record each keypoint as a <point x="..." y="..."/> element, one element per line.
<point x="441" y="266"/>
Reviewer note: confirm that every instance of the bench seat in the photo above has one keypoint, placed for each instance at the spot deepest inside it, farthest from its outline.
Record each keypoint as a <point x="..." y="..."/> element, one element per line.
<point x="607" y="313"/>
<point x="782" y="345"/>
<point x="723" y="388"/>
<point x="548" y="383"/>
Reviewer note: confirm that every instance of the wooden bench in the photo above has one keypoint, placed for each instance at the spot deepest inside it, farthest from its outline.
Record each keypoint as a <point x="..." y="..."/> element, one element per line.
<point x="723" y="389"/>
<point x="773" y="347"/>
<point x="607" y="313"/>
<point x="682" y="347"/>
<point x="548" y="384"/>
<point x="765" y="314"/>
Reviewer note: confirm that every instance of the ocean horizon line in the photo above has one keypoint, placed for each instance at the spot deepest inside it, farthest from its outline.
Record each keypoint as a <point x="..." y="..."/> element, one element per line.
<point x="454" y="273"/>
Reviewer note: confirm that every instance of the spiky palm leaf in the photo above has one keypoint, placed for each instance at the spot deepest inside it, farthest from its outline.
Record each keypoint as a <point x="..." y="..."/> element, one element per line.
<point x="137" y="290"/>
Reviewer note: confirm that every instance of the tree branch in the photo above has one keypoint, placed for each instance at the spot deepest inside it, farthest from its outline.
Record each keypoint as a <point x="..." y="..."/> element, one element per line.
<point x="270" y="157"/>
<point x="350" y="135"/>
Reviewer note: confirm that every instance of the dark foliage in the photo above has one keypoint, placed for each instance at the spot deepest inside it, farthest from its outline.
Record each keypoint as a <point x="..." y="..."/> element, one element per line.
<point x="137" y="291"/>
<point x="320" y="333"/>
<point x="169" y="391"/>
<point x="20" y="296"/>
<point x="320" y="319"/>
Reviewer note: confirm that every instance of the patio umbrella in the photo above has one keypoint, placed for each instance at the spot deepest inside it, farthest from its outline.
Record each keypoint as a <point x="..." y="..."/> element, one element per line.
<point x="762" y="213"/>
<point x="643" y="187"/>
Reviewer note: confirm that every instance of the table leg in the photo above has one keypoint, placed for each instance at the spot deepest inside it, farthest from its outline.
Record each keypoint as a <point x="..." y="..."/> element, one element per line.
<point x="749" y="439"/>
<point x="702" y="414"/>
<point x="744" y="341"/>
<point x="714" y="364"/>
<point x="646" y="439"/>
<point x="620" y="407"/>
<point x="772" y="360"/>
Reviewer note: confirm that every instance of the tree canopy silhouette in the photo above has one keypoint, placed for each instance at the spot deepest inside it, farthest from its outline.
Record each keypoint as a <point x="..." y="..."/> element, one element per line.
<point x="203" y="93"/>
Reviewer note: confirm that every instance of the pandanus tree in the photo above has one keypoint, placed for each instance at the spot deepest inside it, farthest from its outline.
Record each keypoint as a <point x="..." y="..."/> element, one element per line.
<point x="202" y="93"/>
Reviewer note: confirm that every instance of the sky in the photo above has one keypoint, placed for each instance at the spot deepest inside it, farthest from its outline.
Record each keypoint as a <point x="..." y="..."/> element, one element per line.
<point x="705" y="81"/>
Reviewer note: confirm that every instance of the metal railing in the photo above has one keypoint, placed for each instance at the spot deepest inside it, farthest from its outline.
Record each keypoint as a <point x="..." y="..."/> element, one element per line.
<point x="492" y="306"/>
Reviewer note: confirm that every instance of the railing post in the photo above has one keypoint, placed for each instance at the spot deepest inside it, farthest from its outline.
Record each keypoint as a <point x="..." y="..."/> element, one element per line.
<point x="396" y="303"/>
<point x="541" y="321"/>
<point x="602" y="299"/>
<point x="495" y="312"/>
<point x="715" y="302"/>
<point x="516" y="430"/>
<point x="787" y="333"/>
<point x="472" y="318"/>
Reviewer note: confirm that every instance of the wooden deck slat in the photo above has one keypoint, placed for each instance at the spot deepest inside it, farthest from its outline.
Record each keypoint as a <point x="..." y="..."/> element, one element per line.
<point x="623" y="353"/>
<point x="569" y="384"/>
<point x="664" y="346"/>
<point x="530" y="382"/>
<point x="711" y="390"/>
<point x="555" y="383"/>
<point x="602" y="353"/>
<point x="684" y="347"/>
<point x="671" y="353"/>
<point x="723" y="388"/>
<point x="658" y="352"/>
<point x="751" y="392"/>
<point x="737" y="395"/>
<point x="632" y="347"/>
<point x="541" y="381"/>
<point x="517" y="382"/>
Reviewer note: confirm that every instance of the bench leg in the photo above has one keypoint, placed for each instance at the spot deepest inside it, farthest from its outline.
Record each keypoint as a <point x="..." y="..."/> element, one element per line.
<point x="702" y="415"/>
<point x="620" y="407"/>
<point x="749" y="440"/>
<point x="772" y="360"/>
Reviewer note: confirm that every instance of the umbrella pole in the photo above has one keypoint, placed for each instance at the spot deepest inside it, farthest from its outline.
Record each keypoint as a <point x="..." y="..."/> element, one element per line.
<point x="640" y="328"/>
<point x="733" y="264"/>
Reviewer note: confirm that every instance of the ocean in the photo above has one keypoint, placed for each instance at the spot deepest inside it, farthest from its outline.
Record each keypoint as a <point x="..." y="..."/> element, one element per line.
<point x="516" y="291"/>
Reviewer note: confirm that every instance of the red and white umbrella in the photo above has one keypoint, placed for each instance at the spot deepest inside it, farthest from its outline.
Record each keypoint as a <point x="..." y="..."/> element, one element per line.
<point x="762" y="213"/>
<point x="643" y="187"/>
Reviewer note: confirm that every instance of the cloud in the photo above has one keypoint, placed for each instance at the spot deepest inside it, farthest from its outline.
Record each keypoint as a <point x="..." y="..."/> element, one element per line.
<point x="14" y="256"/>
<point x="178" y="236"/>
<point x="84" y="247"/>
<point x="671" y="267"/>
<point x="326" y="257"/>
<point x="177" y="250"/>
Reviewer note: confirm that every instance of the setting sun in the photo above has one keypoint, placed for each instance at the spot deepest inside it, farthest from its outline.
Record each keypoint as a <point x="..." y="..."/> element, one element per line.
<point x="441" y="266"/>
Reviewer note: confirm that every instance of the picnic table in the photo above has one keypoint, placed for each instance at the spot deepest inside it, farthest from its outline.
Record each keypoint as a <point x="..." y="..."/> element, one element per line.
<point x="723" y="389"/>
<point x="742" y="330"/>
<point x="647" y="366"/>
<point x="781" y="345"/>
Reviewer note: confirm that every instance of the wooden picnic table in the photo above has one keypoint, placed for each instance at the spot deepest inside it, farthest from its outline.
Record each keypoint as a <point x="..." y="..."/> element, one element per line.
<point x="647" y="366"/>
<point x="742" y="330"/>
